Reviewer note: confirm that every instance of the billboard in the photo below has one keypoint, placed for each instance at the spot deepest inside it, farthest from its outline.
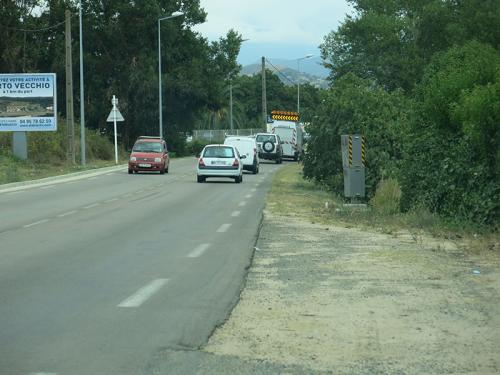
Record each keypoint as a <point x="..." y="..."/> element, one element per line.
<point x="28" y="102"/>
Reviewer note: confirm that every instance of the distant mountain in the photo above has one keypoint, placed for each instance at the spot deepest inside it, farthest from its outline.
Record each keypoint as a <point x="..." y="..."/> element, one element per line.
<point x="313" y="66"/>
<point x="290" y="75"/>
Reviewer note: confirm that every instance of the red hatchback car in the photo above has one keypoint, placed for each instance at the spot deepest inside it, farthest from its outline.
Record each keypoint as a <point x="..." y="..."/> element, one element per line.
<point x="149" y="154"/>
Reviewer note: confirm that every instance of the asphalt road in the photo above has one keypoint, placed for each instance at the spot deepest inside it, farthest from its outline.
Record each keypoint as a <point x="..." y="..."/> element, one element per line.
<point x="104" y="273"/>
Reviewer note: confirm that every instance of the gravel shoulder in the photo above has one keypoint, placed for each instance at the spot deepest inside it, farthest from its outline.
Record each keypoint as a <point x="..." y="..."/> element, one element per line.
<point x="334" y="299"/>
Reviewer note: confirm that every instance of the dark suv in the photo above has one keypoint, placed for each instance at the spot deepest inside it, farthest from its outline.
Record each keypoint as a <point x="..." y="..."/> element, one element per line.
<point x="269" y="146"/>
<point x="149" y="154"/>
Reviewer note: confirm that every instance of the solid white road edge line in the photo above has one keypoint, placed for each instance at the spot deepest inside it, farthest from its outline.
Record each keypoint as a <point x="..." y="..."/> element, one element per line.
<point x="235" y="214"/>
<point x="223" y="228"/>
<point x="48" y="187"/>
<point x="35" y="223"/>
<point x="143" y="294"/>
<point x="199" y="250"/>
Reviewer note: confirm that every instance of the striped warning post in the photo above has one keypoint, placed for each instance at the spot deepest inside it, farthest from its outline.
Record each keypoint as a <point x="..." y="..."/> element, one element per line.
<point x="350" y="150"/>
<point x="363" y="151"/>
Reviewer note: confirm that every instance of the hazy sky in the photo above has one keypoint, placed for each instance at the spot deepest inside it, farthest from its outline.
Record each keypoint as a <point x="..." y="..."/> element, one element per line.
<point x="286" y="29"/>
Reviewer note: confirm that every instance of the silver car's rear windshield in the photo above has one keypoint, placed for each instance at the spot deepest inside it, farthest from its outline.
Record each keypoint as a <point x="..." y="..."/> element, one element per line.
<point x="219" y="152"/>
<point x="265" y="138"/>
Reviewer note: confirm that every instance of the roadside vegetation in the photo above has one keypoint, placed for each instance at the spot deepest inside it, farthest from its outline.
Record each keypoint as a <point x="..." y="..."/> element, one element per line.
<point x="47" y="155"/>
<point x="421" y="81"/>
<point x="307" y="200"/>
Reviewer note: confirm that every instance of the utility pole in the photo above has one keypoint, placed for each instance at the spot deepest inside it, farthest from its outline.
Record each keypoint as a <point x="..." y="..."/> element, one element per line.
<point x="70" y="125"/>
<point x="264" y="97"/>
<point x="82" y="96"/>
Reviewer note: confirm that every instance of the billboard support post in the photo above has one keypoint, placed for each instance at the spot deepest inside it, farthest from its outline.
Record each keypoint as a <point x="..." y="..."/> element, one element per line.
<point x="20" y="145"/>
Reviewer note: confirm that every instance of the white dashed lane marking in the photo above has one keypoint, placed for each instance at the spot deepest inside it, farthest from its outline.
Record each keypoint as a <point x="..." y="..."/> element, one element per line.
<point x="67" y="213"/>
<point x="223" y="228"/>
<point x="35" y="223"/>
<point x="91" y="206"/>
<point x="199" y="250"/>
<point x="143" y="294"/>
<point x="249" y="196"/>
<point x="243" y="203"/>
<point x="235" y="214"/>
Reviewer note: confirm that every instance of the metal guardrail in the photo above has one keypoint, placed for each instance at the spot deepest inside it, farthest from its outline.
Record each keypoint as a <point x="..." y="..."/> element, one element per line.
<point x="219" y="135"/>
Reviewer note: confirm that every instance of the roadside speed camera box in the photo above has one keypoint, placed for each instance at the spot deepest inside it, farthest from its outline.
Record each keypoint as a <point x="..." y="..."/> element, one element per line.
<point x="354" y="182"/>
<point x="353" y="163"/>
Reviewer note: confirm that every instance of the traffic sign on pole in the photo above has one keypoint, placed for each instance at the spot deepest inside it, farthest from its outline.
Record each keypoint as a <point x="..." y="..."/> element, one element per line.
<point x="115" y="116"/>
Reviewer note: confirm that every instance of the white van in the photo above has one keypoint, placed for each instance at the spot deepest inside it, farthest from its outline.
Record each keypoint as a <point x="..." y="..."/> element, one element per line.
<point x="246" y="146"/>
<point x="291" y="135"/>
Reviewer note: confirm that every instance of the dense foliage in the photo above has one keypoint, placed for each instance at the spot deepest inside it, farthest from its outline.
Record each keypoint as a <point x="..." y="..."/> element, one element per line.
<point x="420" y="79"/>
<point x="247" y="102"/>
<point x="355" y="106"/>
<point x="120" y="42"/>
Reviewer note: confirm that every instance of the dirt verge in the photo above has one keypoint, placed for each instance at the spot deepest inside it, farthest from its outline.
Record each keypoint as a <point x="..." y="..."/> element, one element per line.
<point x="326" y="298"/>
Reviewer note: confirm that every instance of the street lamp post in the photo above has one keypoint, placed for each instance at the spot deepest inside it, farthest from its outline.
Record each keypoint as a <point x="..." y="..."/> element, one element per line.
<point x="160" y="104"/>
<point x="82" y="99"/>
<point x="231" y="97"/>
<point x="308" y="56"/>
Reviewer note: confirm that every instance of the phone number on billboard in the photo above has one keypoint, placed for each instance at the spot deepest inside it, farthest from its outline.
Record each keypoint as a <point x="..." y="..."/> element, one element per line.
<point x="35" y="121"/>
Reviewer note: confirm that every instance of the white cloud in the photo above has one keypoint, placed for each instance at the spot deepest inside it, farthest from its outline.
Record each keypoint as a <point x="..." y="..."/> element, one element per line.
<point x="273" y="21"/>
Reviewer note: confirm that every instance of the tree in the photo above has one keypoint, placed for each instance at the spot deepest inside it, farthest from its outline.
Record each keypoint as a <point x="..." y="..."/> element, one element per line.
<point x="451" y="147"/>
<point x="355" y="106"/>
<point x="120" y="58"/>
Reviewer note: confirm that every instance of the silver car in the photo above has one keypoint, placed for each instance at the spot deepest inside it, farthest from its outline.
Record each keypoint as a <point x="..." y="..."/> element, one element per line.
<point x="220" y="161"/>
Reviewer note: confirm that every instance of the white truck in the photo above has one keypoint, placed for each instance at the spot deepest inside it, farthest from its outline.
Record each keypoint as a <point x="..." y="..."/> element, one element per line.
<point x="286" y="125"/>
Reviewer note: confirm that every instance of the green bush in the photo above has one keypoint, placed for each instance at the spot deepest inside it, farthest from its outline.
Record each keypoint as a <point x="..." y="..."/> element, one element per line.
<point x="52" y="147"/>
<point x="195" y="147"/>
<point x="9" y="171"/>
<point x="387" y="197"/>
<point x="176" y="143"/>
<point x="451" y="147"/>
<point x="98" y="146"/>
<point x="356" y="106"/>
